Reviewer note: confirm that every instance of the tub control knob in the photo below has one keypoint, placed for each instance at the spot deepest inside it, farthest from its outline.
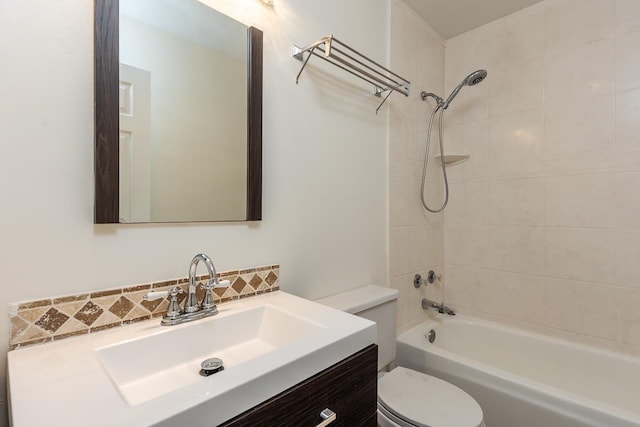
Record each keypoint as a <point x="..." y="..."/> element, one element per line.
<point x="432" y="276"/>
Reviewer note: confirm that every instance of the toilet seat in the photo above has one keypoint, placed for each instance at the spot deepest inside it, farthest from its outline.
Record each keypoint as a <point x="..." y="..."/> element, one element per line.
<point x="425" y="401"/>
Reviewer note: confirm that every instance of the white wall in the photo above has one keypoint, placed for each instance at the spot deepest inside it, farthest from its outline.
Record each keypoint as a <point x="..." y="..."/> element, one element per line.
<point x="325" y="161"/>
<point x="543" y="228"/>
<point x="416" y="236"/>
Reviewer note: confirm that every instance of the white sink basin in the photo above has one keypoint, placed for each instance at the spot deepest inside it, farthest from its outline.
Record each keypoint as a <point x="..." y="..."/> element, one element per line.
<point x="142" y="372"/>
<point x="147" y="374"/>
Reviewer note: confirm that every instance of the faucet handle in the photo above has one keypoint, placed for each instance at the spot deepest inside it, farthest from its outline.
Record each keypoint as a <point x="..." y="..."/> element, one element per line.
<point x="173" y="311"/>
<point x="214" y="283"/>
<point x="154" y="295"/>
<point x="176" y="291"/>
<point x="218" y="284"/>
<point x="207" y="301"/>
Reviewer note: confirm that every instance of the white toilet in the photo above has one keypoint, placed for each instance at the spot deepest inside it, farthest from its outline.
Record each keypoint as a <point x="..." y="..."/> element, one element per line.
<point x="406" y="398"/>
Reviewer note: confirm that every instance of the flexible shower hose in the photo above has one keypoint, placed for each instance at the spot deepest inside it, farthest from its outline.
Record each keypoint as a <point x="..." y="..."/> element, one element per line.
<point x="426" y="161"/>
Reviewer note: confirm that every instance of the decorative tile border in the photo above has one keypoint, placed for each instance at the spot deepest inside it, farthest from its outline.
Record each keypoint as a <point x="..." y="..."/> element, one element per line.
<point x="41" y="321"/>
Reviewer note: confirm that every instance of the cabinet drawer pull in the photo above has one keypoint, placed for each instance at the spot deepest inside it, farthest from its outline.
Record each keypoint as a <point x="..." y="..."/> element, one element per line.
<point x="328" y="416"/>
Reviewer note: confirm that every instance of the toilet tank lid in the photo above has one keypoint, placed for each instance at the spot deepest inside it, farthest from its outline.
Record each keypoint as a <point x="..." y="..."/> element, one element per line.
<point x="360" y="299"/>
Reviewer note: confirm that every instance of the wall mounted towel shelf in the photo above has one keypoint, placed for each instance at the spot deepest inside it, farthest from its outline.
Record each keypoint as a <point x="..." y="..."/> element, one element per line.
<point x="350" y="60"/>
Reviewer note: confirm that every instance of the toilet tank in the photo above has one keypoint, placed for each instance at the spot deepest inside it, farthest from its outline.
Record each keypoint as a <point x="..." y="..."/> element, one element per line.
<point x="374" y="303"/>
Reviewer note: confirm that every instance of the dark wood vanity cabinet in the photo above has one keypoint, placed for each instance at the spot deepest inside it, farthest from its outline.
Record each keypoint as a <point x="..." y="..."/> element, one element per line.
<point x="348" y="388"/>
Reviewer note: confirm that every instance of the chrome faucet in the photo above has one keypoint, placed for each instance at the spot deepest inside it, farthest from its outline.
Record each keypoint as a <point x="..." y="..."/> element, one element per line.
<point x="193" y="309"/>
<point x="191" y="304"/>
<point x="428" y="304"/>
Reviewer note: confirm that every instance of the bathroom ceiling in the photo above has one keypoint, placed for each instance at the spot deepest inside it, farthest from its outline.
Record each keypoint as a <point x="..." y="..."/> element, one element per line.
<point x="453" y="17"/>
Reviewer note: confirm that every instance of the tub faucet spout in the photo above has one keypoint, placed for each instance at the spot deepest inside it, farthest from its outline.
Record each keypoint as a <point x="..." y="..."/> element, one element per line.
<point x="428" y="304"/>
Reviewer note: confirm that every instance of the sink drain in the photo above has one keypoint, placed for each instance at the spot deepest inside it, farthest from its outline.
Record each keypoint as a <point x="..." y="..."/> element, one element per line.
<point x="211" y="366"/>
<point x="431" y="336"/>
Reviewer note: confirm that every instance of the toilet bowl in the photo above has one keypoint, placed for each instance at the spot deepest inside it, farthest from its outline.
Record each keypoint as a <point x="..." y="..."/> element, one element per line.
<point x="406" y="398"/>
<point x="410" y="398"/>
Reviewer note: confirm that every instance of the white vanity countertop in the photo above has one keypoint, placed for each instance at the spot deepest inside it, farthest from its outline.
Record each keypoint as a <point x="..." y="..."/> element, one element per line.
<point x="65" y="383"/>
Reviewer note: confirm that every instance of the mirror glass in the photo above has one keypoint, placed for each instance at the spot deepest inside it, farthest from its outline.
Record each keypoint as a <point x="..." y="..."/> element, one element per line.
<point x="182" y="113"/>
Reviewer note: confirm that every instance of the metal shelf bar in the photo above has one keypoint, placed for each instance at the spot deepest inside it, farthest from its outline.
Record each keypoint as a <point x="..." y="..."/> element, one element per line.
<point x="386" y="83"/>
<point x="370" y="60"/>
<point x="354" y="63"/>
<point x="377" y="83"/>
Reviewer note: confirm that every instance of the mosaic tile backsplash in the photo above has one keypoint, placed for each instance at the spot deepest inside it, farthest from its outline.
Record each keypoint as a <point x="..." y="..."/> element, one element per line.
<point x="36" y="322"/>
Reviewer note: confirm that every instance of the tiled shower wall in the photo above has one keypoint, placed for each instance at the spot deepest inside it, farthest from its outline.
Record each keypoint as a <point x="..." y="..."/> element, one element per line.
<point x="416" y="239"/>
<point x="543" y="228"/>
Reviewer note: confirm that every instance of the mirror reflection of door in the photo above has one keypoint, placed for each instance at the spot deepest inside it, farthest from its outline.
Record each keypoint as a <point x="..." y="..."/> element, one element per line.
<point x="135" y="144"/>
<point x="197" y="59"/>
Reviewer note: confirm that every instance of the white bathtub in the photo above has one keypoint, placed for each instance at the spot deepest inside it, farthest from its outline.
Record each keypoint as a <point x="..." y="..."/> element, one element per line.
<point x="522" y="379"/>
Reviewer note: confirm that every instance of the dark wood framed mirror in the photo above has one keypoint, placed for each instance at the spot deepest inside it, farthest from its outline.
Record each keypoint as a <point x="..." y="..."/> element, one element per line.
<point x="108" y="105"/>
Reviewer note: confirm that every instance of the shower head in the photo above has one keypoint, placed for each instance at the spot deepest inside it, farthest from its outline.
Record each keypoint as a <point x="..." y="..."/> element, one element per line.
<point x="471" y="80"/>
<point x="475" y="77"/>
